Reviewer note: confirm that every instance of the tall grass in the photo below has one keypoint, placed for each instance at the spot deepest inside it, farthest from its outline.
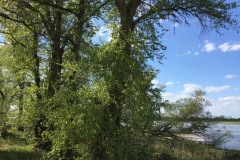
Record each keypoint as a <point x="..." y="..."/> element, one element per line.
<point x="16" y="147"/>
<point x="169" y="149"/>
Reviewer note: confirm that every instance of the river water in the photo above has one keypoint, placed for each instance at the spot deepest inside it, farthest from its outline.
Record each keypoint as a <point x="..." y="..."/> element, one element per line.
<point x="234" y="142"/>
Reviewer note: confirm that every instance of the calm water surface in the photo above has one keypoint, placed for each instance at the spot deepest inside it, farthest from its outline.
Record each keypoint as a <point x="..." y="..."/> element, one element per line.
<point x="234" y="142"/>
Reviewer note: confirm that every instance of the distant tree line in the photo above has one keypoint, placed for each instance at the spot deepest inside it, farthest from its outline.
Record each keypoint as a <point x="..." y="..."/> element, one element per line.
<point x="224" y="118"/>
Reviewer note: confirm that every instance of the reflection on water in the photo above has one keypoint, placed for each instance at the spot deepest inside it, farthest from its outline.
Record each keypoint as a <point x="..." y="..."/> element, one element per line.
<point x="234" y="142"/>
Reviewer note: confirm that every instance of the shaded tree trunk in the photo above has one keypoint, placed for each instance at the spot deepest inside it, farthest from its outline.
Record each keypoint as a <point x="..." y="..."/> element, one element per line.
<point x="112" y="114"/>
<point x="20" y="107"/>
<point x="4" y="131"/>
<point x="3" y="114"/>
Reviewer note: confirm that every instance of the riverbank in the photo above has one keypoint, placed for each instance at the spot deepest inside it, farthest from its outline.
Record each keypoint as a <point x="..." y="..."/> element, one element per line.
<point x="16" y="147"/>
<point x="227" y="122"/>
<point x="170" y="149"/>
<point x="224" y="121"/>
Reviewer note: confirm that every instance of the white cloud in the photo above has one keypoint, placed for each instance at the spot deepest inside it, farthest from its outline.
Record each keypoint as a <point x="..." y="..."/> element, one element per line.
<point x="209" y="46"/>
<point x="175" y="25"/>
<point x="156" y="83"/>
<point x="230" y="101"/>
<point x="235" y="47"/>
<point x="196" y="53"/>
<point x="189" y="53"/>
<point x="226" y="47"/>
<point x="109" y="38"/>
<point x="101" y="31"/>
<point x="228" y="106"/>
<point x="168" y="83"/>
<point x="230" y="98"/>
<point x="189" y="88"/>
<point x="174" y="97"/>
<point x="216" y="89"/>
<point x="230" y="76"/>
<point x="104" y="33"/>
<point x="167" y="95"/>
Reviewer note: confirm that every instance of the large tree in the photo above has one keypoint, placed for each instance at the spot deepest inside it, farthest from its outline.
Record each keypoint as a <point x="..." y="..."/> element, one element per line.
<point x="137" y="34"/>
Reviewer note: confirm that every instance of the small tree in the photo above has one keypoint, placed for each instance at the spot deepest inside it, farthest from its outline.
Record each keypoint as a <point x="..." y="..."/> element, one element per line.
<point x="217" y="138"/>
<point x="186" y="115"/>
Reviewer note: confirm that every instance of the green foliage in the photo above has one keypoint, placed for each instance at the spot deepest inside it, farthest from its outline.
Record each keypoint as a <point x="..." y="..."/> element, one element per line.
<point x="188" y="108"/>
<point x="191" y="110"/>
<point x="183" y="116"/>
<point x="82" y="100"/>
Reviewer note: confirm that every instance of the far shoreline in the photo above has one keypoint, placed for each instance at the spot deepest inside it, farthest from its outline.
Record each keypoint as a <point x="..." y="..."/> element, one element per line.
<point x="227" y="122"/>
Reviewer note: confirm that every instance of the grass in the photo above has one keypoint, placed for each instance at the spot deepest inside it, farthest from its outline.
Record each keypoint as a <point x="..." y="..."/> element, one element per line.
<point x="169" y="149"/>
<point x="16" y="147"/>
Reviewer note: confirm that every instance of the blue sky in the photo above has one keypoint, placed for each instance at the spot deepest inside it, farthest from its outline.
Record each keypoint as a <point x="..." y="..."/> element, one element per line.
<point x="210" y="62"/>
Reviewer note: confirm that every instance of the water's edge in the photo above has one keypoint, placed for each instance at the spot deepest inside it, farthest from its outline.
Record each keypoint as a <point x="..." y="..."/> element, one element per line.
<point x="234" y="142"/>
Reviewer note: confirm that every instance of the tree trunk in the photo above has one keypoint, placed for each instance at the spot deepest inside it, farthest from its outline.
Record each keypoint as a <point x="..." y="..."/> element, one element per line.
<point x="113" y="112"/>
<point x="20" y="108"/>
<point x="4" y="131"/>
<point x="3" y="114"/>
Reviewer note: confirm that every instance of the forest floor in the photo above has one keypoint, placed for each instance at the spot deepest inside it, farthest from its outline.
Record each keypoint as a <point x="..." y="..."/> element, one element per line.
<point x="16" y="147"/>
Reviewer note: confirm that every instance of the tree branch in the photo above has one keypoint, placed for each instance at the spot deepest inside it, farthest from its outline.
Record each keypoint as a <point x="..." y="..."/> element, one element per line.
<point x="49" y="4"/>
